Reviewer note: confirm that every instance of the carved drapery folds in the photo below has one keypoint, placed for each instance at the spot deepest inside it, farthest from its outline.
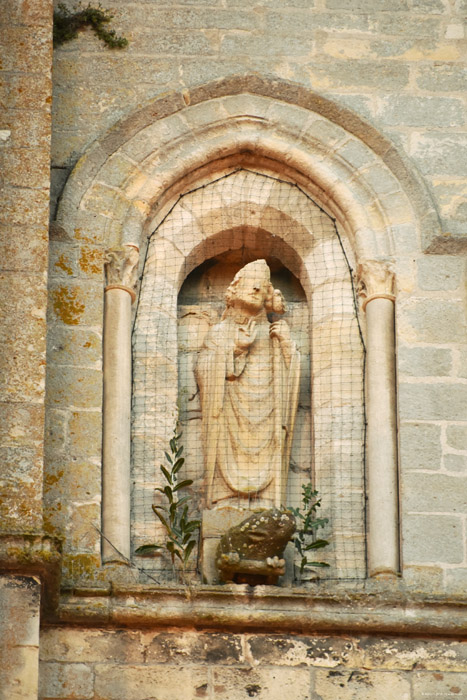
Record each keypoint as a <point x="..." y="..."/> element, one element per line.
<point x="121" y="268"/>
<point x="248" y="373"/>
<point x="376" y="287"/>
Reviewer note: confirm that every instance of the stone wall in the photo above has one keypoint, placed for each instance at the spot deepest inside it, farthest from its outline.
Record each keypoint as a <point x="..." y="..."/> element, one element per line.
<point x="168" y="665"/>
<point x="399" y="64"/>
<point x="399" y="67"/>
<point x="26" y="60"/>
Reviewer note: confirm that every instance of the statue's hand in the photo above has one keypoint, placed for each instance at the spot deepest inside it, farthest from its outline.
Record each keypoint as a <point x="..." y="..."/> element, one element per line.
<point x="281" y="331"/>
<point x="245" y="337"/>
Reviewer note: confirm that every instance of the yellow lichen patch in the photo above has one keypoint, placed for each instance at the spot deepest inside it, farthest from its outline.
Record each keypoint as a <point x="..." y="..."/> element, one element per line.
<point x="62" y="265"/>
<point x="91" y="261"/>
<point x="66" y="306"/>
<point x="79" y="566"/>
<point x="52" y="479"/>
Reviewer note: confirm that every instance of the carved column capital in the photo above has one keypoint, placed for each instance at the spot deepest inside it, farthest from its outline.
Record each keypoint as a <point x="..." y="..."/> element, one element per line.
<point x="121" y="268"/>
<point x="375" y="280"/>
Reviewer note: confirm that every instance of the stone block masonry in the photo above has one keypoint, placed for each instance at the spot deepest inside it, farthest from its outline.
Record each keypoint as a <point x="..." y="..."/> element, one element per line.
<point x="123" y="664"/>
<point x="404" y="63"/>
<point x="26" y="58"/>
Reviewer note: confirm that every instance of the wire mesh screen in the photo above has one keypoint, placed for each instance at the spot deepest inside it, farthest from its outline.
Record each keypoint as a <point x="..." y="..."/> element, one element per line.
<point x="247" y="343"/>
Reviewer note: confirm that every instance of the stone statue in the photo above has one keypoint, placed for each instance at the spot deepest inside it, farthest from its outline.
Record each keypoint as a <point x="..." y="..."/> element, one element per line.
<point x="252" y="551"/>
<point x="248" y="373"/>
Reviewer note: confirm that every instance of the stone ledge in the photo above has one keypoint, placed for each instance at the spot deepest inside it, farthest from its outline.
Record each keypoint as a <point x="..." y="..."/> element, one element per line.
<point x="34" y="555"/>
<point x="380" y="609"/>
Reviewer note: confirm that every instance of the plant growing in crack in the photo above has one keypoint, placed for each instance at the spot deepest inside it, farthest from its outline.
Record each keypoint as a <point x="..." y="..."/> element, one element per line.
<point x="181" y="530"/>
<point x="305" y="539"/>
<point x="67" y="24"/>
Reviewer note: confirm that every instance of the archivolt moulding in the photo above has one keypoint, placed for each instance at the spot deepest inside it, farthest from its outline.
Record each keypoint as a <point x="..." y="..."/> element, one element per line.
<point x="353" y="172"/>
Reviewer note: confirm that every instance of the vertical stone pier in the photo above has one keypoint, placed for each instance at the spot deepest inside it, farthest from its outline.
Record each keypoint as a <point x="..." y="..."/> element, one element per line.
<point x="377" y="289"/>
<point x="121" y="270"/>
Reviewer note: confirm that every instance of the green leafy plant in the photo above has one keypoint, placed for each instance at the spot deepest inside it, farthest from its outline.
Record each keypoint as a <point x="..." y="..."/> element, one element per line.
<point x="180" y="529"/>
<point x="68" y="23"/>
<point x="305" y="539"/>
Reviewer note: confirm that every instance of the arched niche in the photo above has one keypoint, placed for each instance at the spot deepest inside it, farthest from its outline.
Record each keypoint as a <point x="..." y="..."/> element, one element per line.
<point x="233" y="220"/>
<point x="126" y="183"/>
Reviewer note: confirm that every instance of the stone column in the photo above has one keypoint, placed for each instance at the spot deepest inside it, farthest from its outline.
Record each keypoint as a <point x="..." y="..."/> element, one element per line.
<point x="121" y="270"/>
<point x="376" y="286"/>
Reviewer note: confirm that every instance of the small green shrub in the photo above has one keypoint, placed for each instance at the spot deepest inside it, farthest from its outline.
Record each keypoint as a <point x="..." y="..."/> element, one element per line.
<point x="305" y="539"/>
<point x="68" y="23"/>
<point x="180" y="529"/>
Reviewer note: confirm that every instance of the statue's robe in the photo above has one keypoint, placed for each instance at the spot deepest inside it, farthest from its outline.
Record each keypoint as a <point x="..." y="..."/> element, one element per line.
<point x="248" y="404"/>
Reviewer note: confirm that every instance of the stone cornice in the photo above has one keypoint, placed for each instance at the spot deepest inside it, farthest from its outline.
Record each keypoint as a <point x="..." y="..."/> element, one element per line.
<point x="372" y="607"/>
<point x="377" y="610"/>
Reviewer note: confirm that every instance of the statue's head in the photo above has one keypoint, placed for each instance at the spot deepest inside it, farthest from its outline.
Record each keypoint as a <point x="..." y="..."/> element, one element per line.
<point x="251" y="287"/>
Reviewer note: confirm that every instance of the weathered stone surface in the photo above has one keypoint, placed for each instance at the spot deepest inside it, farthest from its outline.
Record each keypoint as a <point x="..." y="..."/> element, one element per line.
<point x="374" y="6"/>
<point x="143" y="682"/>
<point x="361" y="684"/>
<point x="425" y="361"/>
<point x="443" y="544"/>
<point x="92" y="646"/>
<point x="439" y="684"/>
<point x="457" y="436"/>
<point x="63" y="260"/>
<point x="433" y="402"/>
<point x="84" y="433"/>
<point x="75" y="345"/>
<point x="77" y="303"/>
<point x="252" y="45"/>
<point x="292" y="21"/>
<point x="435" y="493"/>
<point x="421" y="111"/>
<point x="24" y="248"/>
<point x="19" y="637"/>
<point x="456" y="580"/>
<point x="193" y="18"/>
<point x="455" y="463"/>
<point x="433" y="277"/>
<point x="341" y="74"/>
<point x="82" y="387"/>
<point x="65" y="680"/>
<point x="441" y="154"/>
<point x="433" y="321"/>
<point x="262" y="683"/>
<point x="446" y="78"/>
<point x="420" y="446"/>
<point x="462" y="372"/>
<point x="327" y="652"/>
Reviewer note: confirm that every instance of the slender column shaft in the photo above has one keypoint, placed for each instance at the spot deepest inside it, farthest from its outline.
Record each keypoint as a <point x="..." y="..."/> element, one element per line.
<point x="121" y="271"/>
<point x="116" y="432"/>
<point x="383" y="544"/>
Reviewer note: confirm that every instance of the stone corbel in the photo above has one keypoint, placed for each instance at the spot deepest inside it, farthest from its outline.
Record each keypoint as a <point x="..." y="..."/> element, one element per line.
<point x="376" y="287"/>
<point x="121" y="268"/>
